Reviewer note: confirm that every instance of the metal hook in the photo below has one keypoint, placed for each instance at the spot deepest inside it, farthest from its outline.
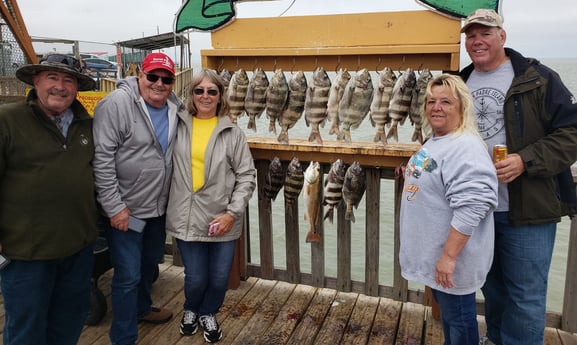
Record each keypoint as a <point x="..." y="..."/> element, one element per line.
<point x="422" y="63"/>
<point x="358" y="63"/>
<point x="316" y="62"/>
<point x="378" y="64"/>
<point x="338" y="64"/>
<point x="274" y="65"/>
<point x="401" y="65"/>
<point x="237" y="63"/>
<point x="255" y="64"/>
<point x="293" y="66"/>
<point x="221" y="64"/>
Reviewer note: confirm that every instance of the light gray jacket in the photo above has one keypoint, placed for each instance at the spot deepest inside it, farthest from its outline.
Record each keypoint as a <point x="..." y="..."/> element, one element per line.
<point x="130" y="168"/>
<point x="229" y="181"/>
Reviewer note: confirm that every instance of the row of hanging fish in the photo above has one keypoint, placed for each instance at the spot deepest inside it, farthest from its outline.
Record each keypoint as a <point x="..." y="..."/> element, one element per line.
<point x="345" y="102"/>
<point x="343" y="184"/>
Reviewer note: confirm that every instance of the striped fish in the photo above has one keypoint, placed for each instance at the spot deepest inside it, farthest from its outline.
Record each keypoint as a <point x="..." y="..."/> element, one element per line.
<point x="353" y="189"/>
<point x="355" y="104"/>
<point x="255" y="100"/>
<point x="237" y="93"/>
<point x="401" y="101"/>
<point x="276" y="96"/>
<point x="316" y="100"/>
<point x="333" y="193"/>
<point x="294" y="106"/>
<point x="380" y="105"/>
<point x="274" y="179"/>
<point x="293" y="183"/>
<point x="335" y="95"/>
<point x="225" y="76"/>
<point x="416" y="111"/>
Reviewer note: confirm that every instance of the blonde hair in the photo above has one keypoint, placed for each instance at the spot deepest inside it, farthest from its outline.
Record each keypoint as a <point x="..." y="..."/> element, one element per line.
<point x="222" y="108"/>
<point x="460" y="91"/>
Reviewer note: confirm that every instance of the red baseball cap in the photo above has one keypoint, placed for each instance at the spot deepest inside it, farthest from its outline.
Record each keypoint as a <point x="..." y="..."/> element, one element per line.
<point x="157" y="61"/>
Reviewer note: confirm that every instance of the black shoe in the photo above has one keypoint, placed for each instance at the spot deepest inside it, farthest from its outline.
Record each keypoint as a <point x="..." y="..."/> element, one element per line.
<point x="189" y="323"/>
<point x="212" y="331"/>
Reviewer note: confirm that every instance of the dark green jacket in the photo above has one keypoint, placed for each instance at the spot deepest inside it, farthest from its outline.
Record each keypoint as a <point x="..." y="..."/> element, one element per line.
<point x="541" y="124"/>
<point x="47" y="199"/>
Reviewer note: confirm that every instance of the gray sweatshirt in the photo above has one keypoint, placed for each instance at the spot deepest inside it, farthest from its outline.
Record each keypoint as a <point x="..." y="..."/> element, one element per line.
<point x="450" y="181"/>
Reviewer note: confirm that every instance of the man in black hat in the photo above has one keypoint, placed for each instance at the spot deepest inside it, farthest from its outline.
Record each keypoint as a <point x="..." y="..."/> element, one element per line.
<point x="47" y="205"/>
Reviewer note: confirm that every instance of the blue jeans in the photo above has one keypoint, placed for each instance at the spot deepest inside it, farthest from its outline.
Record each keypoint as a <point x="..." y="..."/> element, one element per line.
<point x="516" y="287"/>
<point x="459" y="316"/>
<point x="207" y="268"/>
<point x="47" y="301"/>
<point x="135" y="258"/>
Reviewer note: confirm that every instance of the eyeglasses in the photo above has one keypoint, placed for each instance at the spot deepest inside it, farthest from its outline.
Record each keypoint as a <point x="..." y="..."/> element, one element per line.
<point x="67" y="60"/>
<point x="153" y="78"/>
<point x="211" y="92"/>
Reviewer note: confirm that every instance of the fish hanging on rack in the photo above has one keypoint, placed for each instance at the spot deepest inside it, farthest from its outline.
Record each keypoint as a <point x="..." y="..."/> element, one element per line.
<point x="416" y="111"/>
<point x="379" y="113"/>
<point x="294" y="106"/>
<point x="355" y="104"/>
<point x="255" y="100"/>
<point x="354" y="186"/>
<point x="274" y="179"/>
<point x="401" y="101"/>
<point x="311" y="199"/>
<point x="293" y="183"/>
<point x="276" y="96"/>
<point x="335" y="95"/>
<point x="237" y="93"/>
<point x="333" y="193"/>
<point x="316" y="100"/>
<point x="225" y="76"/>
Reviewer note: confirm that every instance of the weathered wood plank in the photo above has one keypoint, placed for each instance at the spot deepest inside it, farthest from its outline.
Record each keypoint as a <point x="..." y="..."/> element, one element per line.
<point x="289" y="316"/>
<point x="265" y="223"/>
<point x="567" y="338"/>
<point x="312" y="320"/>
<point x="361" y="321"/>
<point x="333" y="327"/>
<point x="551" y="337"/>
<point x="411" y="324"/>
<point x="344" y="282"/>
<point x="386" y="321"/>
<point x="433" y="329"/>
<point x="318" y="248"/>
<point x="372" y="231"/>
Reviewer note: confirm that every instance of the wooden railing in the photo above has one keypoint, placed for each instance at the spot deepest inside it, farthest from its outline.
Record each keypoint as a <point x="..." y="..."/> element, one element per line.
<point x="380" y="164"/>
<point x="12" y="89"/>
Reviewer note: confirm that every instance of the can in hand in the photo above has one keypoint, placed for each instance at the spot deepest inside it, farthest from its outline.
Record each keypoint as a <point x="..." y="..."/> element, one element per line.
<point x="499" y="153"/>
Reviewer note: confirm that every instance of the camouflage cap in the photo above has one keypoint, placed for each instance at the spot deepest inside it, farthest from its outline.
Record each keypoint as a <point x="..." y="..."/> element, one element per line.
<point x="483" y="17"/>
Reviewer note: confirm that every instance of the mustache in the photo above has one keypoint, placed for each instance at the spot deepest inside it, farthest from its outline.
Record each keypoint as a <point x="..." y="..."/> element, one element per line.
<point x="56" y="92"/>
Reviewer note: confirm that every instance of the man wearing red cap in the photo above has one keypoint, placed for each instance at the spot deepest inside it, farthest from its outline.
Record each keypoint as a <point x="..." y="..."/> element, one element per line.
<point x="134" y="128"/>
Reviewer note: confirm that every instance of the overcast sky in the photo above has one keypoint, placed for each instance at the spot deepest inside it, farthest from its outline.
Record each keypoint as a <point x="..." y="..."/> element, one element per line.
<point x="540" y="29"/>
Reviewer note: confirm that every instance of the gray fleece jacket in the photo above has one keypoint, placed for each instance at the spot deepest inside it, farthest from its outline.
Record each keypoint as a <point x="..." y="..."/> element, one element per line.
<point x="450" y="181"/>
<point x="130" y="168"/>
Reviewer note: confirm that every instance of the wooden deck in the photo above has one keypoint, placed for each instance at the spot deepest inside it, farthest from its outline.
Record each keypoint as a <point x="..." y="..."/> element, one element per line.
<point x="275" y="312"/>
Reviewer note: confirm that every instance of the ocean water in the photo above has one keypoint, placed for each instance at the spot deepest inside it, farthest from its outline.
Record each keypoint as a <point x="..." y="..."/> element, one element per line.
<point x="567" y="69"/>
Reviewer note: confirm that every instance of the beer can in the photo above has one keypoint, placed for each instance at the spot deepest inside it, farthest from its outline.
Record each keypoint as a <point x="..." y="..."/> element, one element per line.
<point x="499" y="153"/>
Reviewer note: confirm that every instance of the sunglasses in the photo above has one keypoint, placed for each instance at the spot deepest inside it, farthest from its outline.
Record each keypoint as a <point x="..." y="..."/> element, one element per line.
<point x="211" y="92"/>
<point x="153" y="78"/>
<point x="67" y="60"/>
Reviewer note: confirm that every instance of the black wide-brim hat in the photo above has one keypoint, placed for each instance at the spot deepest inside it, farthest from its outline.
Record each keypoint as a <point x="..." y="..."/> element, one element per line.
<point x="59" y="63"/>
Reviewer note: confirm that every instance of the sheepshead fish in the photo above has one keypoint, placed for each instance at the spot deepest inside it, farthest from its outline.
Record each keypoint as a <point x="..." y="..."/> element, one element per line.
<point x="416" y="110"/>
<point x="276" y="96"/>
<point x="353" y="189"/>
<point x="255" y="100"/>
<point x="225" y="76"/>
<point x="311" y="198"/>
<point x="333" y="193"/>
<point x="237" y="93"/>
<point x="274" y="179"/>
<point x="380" y="105"/>
<point x="401" y="101"/>
<point x="335" y="96"/>
<point x="316" y="103"/>
<point x="355" y="104"/>
<point x="293" y="183"/>
<point x="294" y="106"/>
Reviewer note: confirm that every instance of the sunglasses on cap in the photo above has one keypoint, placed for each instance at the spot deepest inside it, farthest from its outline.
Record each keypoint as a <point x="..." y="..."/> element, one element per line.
<point x="62" y="59"/>
<point x="200" y="91"/>
<point x="153" y="78"/>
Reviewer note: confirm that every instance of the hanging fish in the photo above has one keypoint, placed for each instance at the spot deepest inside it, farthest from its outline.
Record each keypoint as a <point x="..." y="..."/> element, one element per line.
<point x="401" y="101"/>
<point x="335" y="95"/>
<point x="333" y="193"/>
<point x="355" y="104"/>
<point x="311" y="198"/>
<point x="316" y="100"/>
<point x="274" y="179"/>
<point x="293" y="182"/>
<point x="417" y="102"/>
<point x="276" y="96"/>
<point x="294" y="106"/>
<point x="255" y="100"/>
<point x="237" y="93"/>
<point x="353" y="189"/>
<point x="379" y="114"/>
<point x="225" y="76"/>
